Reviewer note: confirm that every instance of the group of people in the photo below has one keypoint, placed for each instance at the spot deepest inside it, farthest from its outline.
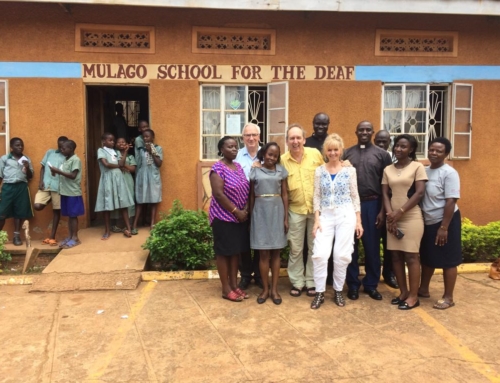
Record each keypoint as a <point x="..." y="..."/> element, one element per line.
<point x="118" y="194"/>
<point x="322" y="200"/>
<point x="60" y="184"/>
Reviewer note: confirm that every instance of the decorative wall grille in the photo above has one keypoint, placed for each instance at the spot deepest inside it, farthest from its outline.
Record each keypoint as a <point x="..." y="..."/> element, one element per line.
<point x="233" y="41"/>
<point x="114" y="38"/>
<point x="416" y="43"/>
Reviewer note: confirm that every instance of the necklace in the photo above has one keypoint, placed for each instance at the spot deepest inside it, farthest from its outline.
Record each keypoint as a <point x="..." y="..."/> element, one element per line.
<point x="400" y="170"/>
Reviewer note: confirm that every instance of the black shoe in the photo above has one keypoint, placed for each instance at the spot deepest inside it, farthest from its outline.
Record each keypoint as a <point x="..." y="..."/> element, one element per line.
<point x="258" y="282"/>
<point x="406" y="306"/>
<point x="396" y="301"/>
<point x="353" y="294"/>
<point x="374" y="294"/>
<point x="17" y="241"/>
<point x="244" y="283"/>
<point x="391" y="282"/>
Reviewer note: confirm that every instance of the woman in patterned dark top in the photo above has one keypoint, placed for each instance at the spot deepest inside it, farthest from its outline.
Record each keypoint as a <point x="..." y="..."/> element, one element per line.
<point x="228" y="216"/>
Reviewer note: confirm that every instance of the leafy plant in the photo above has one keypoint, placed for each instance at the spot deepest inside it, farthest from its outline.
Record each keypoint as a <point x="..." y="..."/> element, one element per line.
<point x="181" y="240"/>
<point x="480" y="243"/>
<point x="4" y="257"/>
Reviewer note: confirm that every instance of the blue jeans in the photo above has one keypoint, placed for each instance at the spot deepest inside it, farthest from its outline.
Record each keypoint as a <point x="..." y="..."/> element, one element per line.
<point x="371" y="244"/>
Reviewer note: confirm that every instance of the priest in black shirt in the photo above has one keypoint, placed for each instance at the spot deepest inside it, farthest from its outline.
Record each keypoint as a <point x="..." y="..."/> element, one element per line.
<point x="370" y="162"/>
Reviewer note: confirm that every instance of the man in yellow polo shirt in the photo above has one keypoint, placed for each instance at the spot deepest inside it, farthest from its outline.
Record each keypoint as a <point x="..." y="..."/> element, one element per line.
<point x="301" y="163"/>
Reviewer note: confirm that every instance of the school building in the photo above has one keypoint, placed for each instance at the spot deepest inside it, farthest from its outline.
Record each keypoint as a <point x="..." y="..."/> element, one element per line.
<point x="199" y="70"/>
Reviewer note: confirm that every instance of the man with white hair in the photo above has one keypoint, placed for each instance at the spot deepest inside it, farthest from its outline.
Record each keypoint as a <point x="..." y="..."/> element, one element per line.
<point x="249" y="268"/>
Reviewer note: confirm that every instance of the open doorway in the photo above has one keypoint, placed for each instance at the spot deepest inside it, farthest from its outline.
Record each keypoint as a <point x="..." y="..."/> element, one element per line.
<point x="101" y="106"/>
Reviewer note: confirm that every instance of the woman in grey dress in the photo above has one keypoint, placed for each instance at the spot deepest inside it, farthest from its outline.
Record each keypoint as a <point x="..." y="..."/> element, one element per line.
<point x="113" y="193"/>
<point x="269" y="221"/>
<point x="148" y="180"/>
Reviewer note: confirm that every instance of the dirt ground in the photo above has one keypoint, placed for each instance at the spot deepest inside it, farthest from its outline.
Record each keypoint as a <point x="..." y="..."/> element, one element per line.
<point x="182" y="331"/>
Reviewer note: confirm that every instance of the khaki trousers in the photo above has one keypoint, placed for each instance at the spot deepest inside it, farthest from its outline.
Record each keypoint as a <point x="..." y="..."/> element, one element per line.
<point x="300" y="224"/>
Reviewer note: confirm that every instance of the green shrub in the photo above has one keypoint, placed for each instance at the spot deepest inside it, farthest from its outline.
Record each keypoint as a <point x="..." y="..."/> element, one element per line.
<point x="182" y="239"/>
<point x="4" y="257"/>
<point x="480" y="243"/>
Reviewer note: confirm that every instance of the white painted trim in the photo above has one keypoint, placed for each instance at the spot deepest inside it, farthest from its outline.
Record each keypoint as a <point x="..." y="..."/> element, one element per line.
<point x="7" y="124"/>
<point x="458" y="7"/>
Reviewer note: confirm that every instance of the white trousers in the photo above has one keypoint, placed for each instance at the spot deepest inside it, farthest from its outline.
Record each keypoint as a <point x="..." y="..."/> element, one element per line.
<point x="338" y="224"/>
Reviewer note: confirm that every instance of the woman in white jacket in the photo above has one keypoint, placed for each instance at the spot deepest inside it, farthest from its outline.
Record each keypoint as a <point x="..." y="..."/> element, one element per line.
<point x="337" y="216"/>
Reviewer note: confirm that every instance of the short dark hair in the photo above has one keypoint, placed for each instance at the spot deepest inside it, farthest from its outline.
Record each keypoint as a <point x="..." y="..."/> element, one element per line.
<point x="262" y="152"/>
<point x="71" y="144"/>
<point x="13" y="140"/>
<point x="106" y="135"/>
<point x="62" y="138"/>
<point x="150" y="131"/>
<point x="444" y="141"/>
<point x="411" y="140"/>
<point x="221" y="143"/>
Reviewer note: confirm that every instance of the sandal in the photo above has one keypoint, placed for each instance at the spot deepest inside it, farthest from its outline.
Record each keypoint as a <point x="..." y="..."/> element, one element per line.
<point x="64" y="242"/>
<point x="339" y="299"/>
<point x="319" y="299"/>
<point x="311" y="291"/>
<point x="134" y="231"/>
<point x="233" y="296"/>
<point x="71" y="243"/>
<point x="105" y="237"/>
<point x="52" y="242"/>
<point x="116" y="229"/>
<point x="241" y="293"/>
<point x="295" y="292"/>
<point x="46" y="241"/>
<point x="443" y="305"/>
<point x="127" y="233"/>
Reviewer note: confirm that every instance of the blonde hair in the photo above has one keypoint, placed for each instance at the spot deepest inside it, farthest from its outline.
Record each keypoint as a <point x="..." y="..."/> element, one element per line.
<point x="333" y="141"/>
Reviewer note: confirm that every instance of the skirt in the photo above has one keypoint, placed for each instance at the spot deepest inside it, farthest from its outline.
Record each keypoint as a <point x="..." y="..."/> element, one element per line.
<point x="442" y="257"/>
<point x="230" y="238"/>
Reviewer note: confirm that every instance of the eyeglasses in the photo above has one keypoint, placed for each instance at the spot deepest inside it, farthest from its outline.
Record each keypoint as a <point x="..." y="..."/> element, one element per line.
<point x="251" y="135"/>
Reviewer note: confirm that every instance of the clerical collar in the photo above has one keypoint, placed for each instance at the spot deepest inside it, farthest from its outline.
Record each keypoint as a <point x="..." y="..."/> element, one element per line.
<point x="364" y="146"/>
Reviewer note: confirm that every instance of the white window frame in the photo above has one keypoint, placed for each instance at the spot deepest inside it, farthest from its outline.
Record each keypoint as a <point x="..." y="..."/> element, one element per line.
<point x="5" y="130"/>
<point x="222" y="111"/>
<point x="269" y="109"/>
<point x="448" y="129"/>
<point x="454" y="133"/>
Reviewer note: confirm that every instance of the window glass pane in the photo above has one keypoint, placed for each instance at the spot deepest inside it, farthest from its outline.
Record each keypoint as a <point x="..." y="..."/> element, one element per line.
<point x="2" y="145"/>
<point x="2" y="93"/>
<point x="211" y="123"/>
<point x="415" y="122"/>
<point x="235" y="98"/>
<point x="463" y="96"/>
<point x="462" y="120"/>
<point x="3" y="123"/>
<point x="210" y="148"/>
<point x="461" y="145"/>
<point x="392" y="97"/>
<point x="280" y="140"/>
<point x="235" y="121"/>
<point x="277" y="121"/>
<point x="277" y="95"/>
<point x="392" y="121"/>
<point x="421" y="145"/>
<point x="211" y="97"/>
<point x="416" y="97"/>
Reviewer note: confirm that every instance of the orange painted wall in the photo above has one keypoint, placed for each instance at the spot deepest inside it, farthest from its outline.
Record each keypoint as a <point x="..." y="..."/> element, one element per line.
<point x="45" y="32"/>
<point x="41" y="110"/>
